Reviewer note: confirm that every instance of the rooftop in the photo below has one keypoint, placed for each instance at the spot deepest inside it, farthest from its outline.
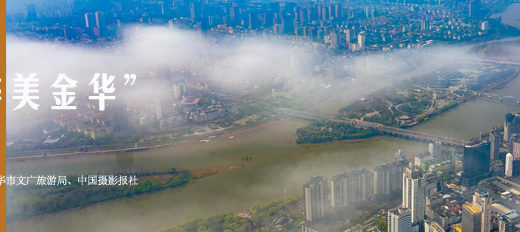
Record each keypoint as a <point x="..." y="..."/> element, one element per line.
<point x="471" y="208"/>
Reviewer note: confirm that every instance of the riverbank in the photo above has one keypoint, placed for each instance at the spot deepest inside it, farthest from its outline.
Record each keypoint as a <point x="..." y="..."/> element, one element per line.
<point x="229" y="131"/>
<point x="408" y="105"/>
<point x="41" y="200"/>
<point x="32" y="200"/>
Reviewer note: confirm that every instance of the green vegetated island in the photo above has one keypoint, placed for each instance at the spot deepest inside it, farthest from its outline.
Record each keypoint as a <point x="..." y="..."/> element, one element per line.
<point x="318" y="132"/>
<point x="32" y="200"/>
<point x="409" y="102"/>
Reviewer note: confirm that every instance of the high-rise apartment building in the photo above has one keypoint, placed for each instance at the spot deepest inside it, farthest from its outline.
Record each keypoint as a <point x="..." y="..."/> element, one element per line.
<point x="315" y="198"/>
<point x="482" y="202"/>
<point x="399" y="220"/>
<point x="495" y="140"/>
<point x="435" y="149"/>
<point x="361" y="41"/>
<point x="351" y="188"/>
<point x="506" y="223"/>
<point x="388" y="180"/>
<point x="476" y="216"/>
<point x="511" y="125"/>
<point x="509" y="165"/>
<point x="471" y="218"/>
<point x="413" y="193"/>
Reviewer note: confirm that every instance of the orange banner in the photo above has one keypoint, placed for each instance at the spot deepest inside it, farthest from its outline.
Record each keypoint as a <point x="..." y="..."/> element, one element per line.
<point x="3" y="99"/>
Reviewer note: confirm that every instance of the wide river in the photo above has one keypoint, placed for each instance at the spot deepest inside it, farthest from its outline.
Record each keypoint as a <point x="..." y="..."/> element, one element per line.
<point x="279" y="166"/>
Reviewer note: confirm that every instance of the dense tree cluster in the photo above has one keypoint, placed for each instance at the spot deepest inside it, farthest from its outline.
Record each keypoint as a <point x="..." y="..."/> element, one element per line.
<point x="318" y="132"/>
<point x="30" y="200"/>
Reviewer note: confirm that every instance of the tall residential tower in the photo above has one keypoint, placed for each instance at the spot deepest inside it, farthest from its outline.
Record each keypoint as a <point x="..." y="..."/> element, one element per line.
<point x="413" y="193"/>
<point x="315" y="197"/>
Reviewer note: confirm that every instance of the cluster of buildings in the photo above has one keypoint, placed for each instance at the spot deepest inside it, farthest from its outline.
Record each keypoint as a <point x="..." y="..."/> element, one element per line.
<point x="362" y="186"/>
<point x="441" y="190"/>
<point x="446" y="209"/>
<point x="508" y="144"/>
<point x="89" y="121"/>
<point x="206" y="114"/>
<point x="171" y="103"/>
<point x="353" y="25"/>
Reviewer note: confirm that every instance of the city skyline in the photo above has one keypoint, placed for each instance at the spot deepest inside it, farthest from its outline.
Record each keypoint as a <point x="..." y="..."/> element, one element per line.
<point x="209" y="115"/>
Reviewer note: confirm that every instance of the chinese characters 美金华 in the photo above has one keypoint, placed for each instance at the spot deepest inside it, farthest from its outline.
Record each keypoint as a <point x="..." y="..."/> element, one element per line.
<point x="26" y="89"/>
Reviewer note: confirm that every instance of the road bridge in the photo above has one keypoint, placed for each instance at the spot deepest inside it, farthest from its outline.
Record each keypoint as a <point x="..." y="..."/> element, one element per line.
<point x="387" y="130"/>
<point x="501" y="99"/>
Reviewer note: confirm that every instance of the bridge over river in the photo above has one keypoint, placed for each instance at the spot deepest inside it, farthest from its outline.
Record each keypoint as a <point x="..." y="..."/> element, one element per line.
<point x="500" y="99"/>
<point x="387" y="130"/>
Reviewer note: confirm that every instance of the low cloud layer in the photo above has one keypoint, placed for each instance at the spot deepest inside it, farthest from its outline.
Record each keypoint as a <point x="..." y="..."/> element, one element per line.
<point x="158" y="53"/>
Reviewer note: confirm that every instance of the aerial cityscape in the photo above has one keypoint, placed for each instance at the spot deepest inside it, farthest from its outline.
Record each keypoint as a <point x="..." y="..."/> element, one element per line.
<point x="264" y="115"/>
